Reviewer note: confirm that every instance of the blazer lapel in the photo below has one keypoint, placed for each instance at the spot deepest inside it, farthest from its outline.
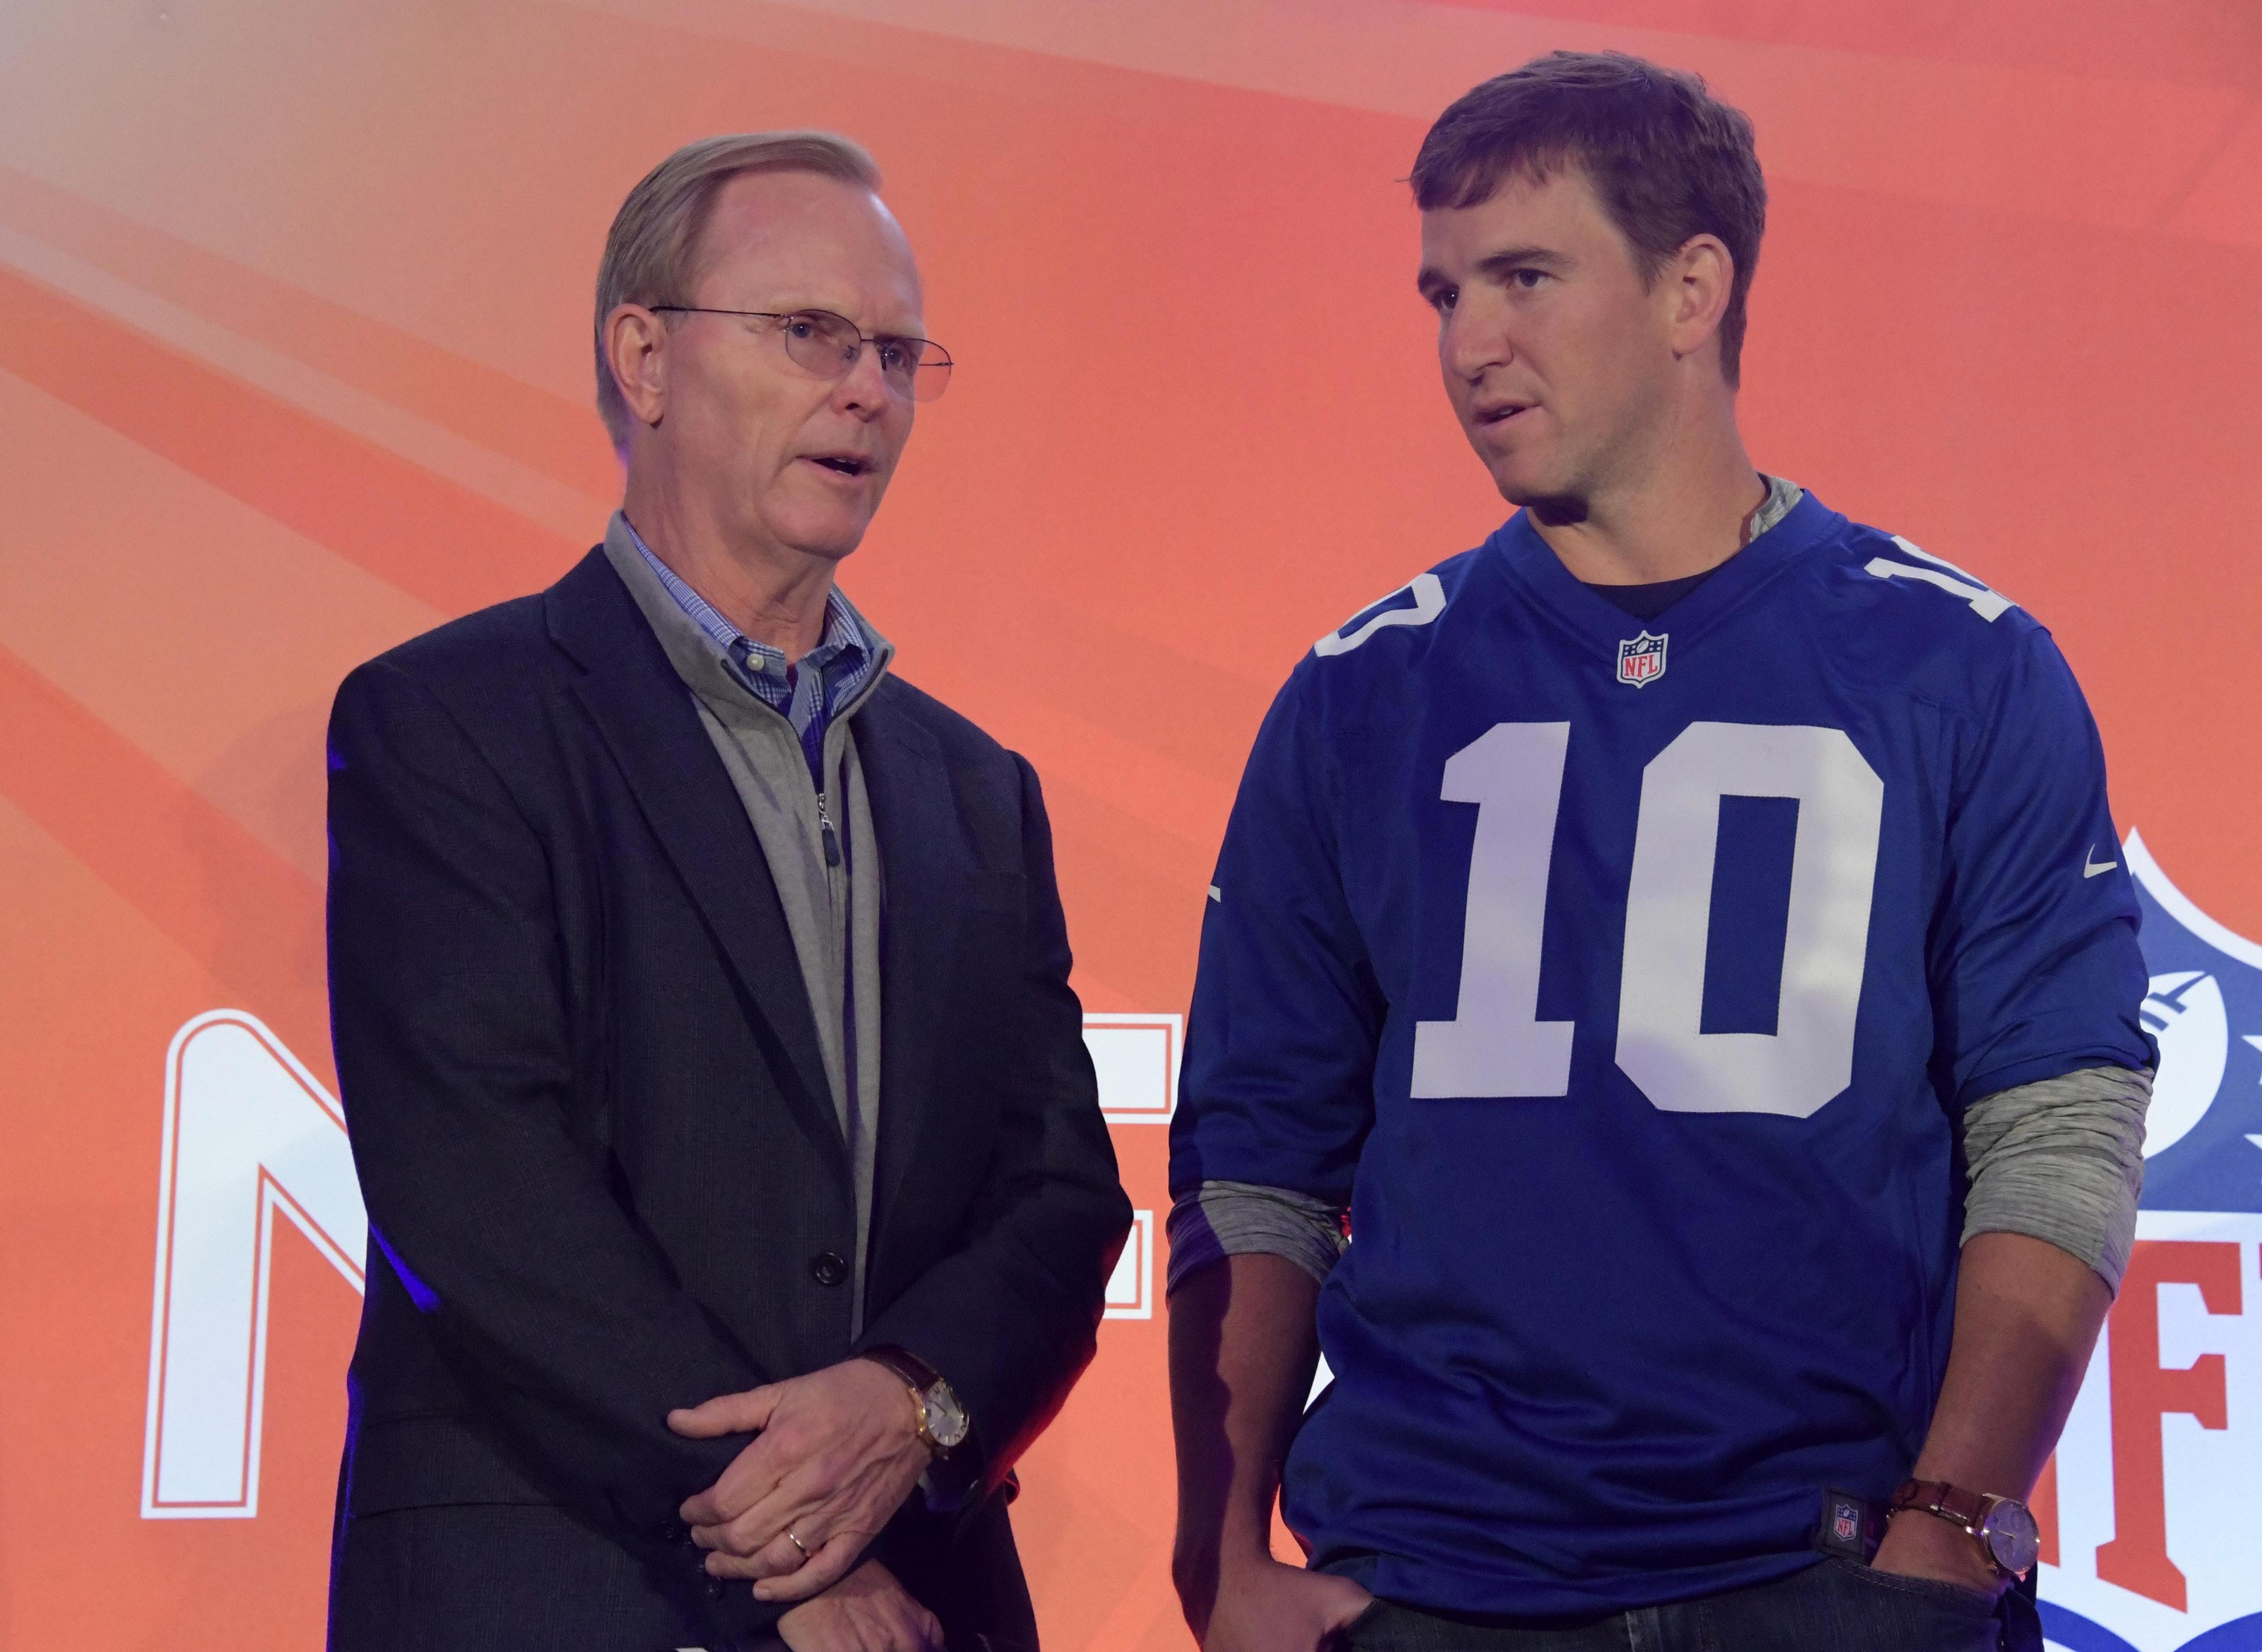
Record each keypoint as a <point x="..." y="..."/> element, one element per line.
<point x="649" y="723"/>
<point x="913" y="817"/>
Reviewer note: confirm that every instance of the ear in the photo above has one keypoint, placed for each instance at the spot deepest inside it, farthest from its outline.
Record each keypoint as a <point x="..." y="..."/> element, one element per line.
<point x="636" y="349"/>
<point x="1696" y="285"/>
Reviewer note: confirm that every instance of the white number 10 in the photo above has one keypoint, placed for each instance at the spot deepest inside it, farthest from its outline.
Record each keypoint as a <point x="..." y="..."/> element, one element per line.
<point x="1495" y="1045"/>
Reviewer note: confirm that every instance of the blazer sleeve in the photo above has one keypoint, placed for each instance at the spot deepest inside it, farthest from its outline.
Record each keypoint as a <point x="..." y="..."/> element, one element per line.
<point x="555" y="1312"/>
<point x="1009" y="1317"/>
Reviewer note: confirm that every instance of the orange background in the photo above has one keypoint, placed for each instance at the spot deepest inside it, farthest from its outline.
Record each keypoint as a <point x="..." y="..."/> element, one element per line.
<point x="294" y="363"/>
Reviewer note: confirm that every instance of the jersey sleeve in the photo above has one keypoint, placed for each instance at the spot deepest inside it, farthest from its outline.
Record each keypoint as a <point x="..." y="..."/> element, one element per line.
<point x="1277" y="1085"/>
<point x="2035" y="967"/>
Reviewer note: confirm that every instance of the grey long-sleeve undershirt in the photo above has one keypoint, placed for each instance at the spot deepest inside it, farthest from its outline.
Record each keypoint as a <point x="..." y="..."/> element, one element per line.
<point x="2061" y="1159"/>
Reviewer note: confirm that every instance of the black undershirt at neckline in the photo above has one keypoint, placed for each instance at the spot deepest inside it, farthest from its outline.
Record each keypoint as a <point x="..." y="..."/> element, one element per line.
<point x="1646" y="602"/>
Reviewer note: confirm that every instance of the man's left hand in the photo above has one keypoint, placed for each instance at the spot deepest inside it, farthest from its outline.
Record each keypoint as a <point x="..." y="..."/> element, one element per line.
<point x="838" y="1453"/>
<point x="1921" y="1545"/>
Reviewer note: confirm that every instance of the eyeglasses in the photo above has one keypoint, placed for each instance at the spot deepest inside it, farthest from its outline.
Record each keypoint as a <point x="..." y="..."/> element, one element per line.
<point x="829" y="345"/>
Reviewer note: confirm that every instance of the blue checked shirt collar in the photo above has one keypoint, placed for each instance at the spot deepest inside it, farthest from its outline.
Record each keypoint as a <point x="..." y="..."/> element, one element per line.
<point x="807" y="693"/>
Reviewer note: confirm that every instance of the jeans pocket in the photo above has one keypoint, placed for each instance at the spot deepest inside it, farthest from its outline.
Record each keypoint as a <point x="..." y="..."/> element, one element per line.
<point x="1933" y="1589"/>
<point x="1347" y="1635"/>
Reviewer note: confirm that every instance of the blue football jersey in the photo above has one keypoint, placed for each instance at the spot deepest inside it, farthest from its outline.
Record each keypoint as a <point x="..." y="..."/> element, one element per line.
<point x="1626" y="981"/>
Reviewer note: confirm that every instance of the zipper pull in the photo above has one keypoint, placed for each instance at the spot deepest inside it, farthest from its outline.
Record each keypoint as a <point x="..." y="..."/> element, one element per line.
<point x="824" y="830"/>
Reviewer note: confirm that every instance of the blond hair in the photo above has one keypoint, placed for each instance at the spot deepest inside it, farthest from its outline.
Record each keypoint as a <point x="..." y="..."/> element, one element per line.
<point x="652" y="251"/>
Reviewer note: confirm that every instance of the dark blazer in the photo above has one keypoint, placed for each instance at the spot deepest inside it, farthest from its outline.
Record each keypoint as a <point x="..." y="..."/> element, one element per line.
<point x="603" y="1173"/>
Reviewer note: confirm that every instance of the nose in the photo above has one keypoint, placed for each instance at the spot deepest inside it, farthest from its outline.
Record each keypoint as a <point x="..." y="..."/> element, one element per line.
<point x="863" y="389"/>
<point x="1470" y="342"/>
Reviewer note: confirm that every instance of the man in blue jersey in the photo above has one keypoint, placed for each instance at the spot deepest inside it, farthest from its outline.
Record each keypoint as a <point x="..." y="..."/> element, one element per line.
<point x="1681" y="941"/>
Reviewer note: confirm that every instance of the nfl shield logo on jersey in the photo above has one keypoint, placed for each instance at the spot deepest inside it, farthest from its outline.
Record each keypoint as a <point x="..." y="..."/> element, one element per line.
<point x="1641" y="660"/>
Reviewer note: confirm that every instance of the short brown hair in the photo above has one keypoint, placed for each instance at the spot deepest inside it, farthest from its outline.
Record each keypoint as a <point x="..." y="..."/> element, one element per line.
<point x="651" y="254"/>
<point x="1669" y="159"/>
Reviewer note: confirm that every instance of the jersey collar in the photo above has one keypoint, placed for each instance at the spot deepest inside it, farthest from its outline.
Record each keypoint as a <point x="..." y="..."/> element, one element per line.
<point x="1531" y="564"/>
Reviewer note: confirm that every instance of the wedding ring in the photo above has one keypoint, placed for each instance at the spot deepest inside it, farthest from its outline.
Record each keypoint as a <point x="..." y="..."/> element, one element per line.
<point x="797" y="1543"/>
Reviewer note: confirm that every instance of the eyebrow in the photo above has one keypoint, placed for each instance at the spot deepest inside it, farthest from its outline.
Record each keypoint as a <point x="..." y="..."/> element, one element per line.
<point x="1494" y="264"/>
<point x="796" y="306"/>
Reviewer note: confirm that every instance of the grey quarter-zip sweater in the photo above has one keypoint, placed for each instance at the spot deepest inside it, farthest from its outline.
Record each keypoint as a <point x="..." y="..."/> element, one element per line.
<point x="831" y="910"/>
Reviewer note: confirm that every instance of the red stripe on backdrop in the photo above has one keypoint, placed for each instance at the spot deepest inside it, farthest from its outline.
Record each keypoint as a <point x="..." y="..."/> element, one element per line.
<point x="545" y="432"/>
<point x="425" y="536"/>
<point x="228" y="900"/>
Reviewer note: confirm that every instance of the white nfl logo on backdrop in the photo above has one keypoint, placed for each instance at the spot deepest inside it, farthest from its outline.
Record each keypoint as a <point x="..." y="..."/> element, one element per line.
<point x="2148" y="1544"/>
<point x="1641" y="660"/>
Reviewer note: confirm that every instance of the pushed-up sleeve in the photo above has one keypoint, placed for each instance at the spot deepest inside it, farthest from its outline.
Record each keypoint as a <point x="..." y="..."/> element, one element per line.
<point x="2062" y="1160"/>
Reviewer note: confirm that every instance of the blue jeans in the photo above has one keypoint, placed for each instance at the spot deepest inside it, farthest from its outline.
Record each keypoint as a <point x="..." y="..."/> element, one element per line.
<point x="1835" y="1605"/>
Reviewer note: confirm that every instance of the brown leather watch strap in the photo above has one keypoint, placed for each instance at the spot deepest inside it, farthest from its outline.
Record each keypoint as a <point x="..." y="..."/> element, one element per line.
<point x="2003" y="1527"/>
<point x="1937" y="1497"/>
<point x="923" y="1382"/>
<point x="905" y="1364"/>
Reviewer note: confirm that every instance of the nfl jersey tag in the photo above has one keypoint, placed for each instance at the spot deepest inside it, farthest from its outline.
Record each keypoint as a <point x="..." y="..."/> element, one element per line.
<point x="1641" y="660"/>
<point x="1849" y="1526"/>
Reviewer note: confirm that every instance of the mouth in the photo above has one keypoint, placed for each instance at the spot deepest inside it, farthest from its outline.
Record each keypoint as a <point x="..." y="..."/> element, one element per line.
<point x="847" y="464"/>
<point x="1493" y="414"/>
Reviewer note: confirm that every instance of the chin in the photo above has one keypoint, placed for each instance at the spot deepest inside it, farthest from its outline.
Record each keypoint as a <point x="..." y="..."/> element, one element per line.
<point x="828" y="549"/>
<point x="826" y="533"/>
<point x="1522" y="484"/>
<point x="1556" y="503"/>
<point x="1548" y="490"/>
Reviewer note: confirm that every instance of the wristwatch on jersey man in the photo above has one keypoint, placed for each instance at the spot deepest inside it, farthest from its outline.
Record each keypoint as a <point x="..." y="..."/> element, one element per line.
<point x="2002" y="1526"/>
<point x="943" y="1424"/>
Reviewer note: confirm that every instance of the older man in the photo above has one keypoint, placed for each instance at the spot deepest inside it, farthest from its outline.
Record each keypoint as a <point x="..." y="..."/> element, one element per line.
<point x="739" y="1201"/>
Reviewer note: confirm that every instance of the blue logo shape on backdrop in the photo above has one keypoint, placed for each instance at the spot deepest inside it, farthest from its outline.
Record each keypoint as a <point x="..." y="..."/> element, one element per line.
<point x="2203" y="1134"/>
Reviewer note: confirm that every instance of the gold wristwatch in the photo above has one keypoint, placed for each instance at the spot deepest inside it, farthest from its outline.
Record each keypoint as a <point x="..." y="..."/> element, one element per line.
<point x="943" y="1424"/>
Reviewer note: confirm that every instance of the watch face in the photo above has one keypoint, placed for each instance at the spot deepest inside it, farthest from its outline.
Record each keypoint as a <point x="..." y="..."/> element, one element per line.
<point x="946" y="1417"/>
<point x="2010" y="1535"/>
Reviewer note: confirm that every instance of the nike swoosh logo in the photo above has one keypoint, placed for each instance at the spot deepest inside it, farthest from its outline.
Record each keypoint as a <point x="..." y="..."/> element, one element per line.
<point x="2090" y="868"/>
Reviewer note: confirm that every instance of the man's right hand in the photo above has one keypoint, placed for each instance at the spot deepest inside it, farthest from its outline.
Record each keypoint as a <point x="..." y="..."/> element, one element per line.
<point x="1262" y="1606"/>
<point x="867" y="1611"/>
<point x="1243" y="1344"/>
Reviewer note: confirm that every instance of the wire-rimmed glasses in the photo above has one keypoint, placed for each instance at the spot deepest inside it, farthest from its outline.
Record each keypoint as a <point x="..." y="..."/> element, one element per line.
<point x="829" y="345"/>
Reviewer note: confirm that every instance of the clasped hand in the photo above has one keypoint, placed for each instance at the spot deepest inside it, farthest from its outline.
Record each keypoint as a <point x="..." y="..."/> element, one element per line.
<point x="836" y="1452"/>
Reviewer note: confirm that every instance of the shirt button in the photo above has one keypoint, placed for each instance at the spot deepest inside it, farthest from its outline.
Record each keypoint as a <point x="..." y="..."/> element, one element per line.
<point x="826" y="1268"/>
